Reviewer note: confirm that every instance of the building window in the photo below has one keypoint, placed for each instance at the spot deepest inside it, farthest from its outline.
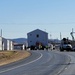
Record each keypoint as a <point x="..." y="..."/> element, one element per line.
<point x="30" y="34"/>
<point x="37" y="35"/>
<point x="30" y="41"/>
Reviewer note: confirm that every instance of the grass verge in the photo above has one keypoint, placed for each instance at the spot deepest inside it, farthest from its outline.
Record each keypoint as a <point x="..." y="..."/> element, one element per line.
<point x="7" y="57"/>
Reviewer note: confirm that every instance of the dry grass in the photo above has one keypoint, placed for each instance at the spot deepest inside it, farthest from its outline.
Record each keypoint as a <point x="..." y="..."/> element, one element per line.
<point x="7" y="57"/>
<point x="6" y="54"/>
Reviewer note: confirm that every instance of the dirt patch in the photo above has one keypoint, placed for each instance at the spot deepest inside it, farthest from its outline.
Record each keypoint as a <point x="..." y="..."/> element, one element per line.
<point x="7" y="57"/>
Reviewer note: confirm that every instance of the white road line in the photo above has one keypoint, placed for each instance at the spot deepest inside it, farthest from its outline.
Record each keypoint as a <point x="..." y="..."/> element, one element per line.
<point x="22" y="65"/>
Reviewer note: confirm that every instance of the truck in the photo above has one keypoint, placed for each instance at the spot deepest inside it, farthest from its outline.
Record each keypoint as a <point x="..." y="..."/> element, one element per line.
<point x="65" y="45"/>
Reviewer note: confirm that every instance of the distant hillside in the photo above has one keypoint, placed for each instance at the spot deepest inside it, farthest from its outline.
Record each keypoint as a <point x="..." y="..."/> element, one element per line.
<point x="54" y="40"/>
<point x="19" y="40"/>
<point x="23" y="40"/>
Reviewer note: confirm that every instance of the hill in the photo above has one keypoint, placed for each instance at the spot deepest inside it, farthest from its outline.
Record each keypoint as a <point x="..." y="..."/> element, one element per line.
<point x="19" y="40"/>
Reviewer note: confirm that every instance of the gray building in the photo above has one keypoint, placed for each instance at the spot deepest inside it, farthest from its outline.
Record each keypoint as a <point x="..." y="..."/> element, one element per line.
<point x="37" y="37"/>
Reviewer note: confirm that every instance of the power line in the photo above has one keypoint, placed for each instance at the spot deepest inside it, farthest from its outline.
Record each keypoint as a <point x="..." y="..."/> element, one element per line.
<point x="36" y="23"/>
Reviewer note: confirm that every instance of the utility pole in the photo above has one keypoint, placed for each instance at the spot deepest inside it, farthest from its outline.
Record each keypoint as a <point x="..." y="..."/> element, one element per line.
<point x="72" y="34"/>
<point x="72" y="30"/>
<point x="1" y="32"/>
<point x="1" y="42"/>
<point x="50" y="36"/>
<point x="60" y="36"/>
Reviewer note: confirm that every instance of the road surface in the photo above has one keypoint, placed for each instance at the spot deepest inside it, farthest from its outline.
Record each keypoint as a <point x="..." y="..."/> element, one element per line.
<point x="70" y="69"/>
<point x="41" y="63"/>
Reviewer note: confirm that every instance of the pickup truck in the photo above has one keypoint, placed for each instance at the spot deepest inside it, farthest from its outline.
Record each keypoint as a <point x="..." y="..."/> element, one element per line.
<point x="67" y="47"/>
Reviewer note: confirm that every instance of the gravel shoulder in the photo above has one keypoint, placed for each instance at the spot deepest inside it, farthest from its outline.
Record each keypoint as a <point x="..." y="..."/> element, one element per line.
<point x="7" y="57"/>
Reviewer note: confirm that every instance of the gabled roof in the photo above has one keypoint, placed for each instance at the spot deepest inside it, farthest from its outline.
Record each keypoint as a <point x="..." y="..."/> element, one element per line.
<point x="38" y="30"/>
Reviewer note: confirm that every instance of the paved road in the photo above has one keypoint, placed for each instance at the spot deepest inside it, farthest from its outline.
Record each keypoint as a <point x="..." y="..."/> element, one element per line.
<point x="70" y="69"/>
<point x="39" y="63"/>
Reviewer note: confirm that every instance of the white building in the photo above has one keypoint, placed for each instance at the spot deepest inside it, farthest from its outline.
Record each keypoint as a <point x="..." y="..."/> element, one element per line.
<point x="37" y="37"/>
<point x="5" y="44"/>
<point x="10" y="45"/>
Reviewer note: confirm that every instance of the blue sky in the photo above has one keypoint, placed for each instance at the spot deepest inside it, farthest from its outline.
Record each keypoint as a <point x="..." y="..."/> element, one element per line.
<point x="18" y="17"/>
